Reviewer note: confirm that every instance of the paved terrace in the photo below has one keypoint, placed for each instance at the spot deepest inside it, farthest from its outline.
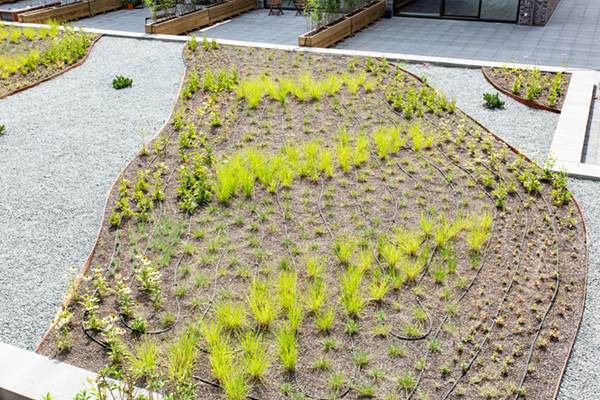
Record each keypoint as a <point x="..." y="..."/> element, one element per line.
<point x="574" y="29"/>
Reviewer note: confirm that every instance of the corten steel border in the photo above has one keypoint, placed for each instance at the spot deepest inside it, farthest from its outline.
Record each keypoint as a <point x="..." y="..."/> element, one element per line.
<point x="585" y="231"/>
<point x="87" y="263"/>
<point x="513" y="96"/>
<point x="73" y="66"/>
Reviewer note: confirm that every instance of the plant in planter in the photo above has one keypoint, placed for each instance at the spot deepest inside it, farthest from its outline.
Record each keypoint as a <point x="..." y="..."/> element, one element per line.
<point x="128" y="4"/>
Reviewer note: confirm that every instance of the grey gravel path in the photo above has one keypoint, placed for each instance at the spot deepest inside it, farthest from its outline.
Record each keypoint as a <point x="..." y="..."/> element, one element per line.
<point x="65" y="143"/>
<point x="580" y="381"/>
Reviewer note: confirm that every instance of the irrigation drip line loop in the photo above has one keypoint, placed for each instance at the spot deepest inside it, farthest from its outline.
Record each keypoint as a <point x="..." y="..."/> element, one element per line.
<point x="507" y="289"/>
<point x="537" y="332"/>
<point x="345" y="392"/>
<point x="428" y="331"/>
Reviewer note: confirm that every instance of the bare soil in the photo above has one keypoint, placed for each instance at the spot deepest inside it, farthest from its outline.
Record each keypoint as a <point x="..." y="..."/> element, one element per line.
<point x="483" y="318"/>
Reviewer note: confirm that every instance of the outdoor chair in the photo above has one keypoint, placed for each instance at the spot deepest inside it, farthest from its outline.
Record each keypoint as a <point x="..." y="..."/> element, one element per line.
<point x="277" y="4"/>
<point x="299" y="5"/>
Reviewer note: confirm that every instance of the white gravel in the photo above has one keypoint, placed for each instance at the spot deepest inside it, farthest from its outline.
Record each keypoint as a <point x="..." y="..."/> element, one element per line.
<point x="65" y="142"/>
<point x="532" y="131"/>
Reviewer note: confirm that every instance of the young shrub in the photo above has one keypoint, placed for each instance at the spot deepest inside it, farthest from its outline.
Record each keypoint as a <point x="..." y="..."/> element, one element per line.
<point x="383" y="141"/>
<point x="344" y="247"/>
<point x="315" y="294"/>
<point x="121" y="82"/>
<point x="416" y="135"/>
<point x="492" y="100"/>
<point x="361" y="151"/>
<point x="314" y="264"/>
<point x="226" y="180"/>
<point x="324" y="319"/>
<point x="287" y="347"/>
<point x="256" y="355"/>
<point x="231" y="315"/>
<point x="326" y="162"/>
<point x="343" y="155"/>
<point x="262" y="304"/>
<point x="180" y="358"/>
<point x="235" y="385"/>
<point x="352" y="296"/>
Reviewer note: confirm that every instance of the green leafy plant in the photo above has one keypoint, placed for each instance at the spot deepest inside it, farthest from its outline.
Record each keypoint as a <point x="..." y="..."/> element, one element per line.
<point x="121" y="82"/>
<point x="492" y="100"/>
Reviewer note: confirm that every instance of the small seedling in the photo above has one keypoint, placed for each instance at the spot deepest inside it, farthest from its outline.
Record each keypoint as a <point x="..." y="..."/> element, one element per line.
<point x="121" y="82"/>
<point x="492" y="100"/>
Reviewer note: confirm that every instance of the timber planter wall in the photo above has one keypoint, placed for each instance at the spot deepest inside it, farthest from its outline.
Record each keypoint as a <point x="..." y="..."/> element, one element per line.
<point x="180" y="24"/>
<point x="101" y="6"/>
<point x="67" y="12"/>
<point x="343" y="28"/>
<point x="328" y="36"/>
<point x="367" y="16"/>
<point x="197" y="19"/>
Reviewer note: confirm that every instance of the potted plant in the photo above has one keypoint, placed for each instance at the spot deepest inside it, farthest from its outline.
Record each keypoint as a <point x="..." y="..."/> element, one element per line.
<point x="128" y="4"/>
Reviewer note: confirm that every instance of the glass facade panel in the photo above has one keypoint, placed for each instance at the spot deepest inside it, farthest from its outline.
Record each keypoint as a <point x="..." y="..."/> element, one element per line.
<point x="462" y="8"/>
<point x="499" y="10"/>
<point x="419" y="8"/>
<point x="491" y="10"/>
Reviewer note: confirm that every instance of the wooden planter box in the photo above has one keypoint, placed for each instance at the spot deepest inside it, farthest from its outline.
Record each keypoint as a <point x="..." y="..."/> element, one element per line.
<point x="374" y="13"/>
<point x="197" y="19"/>
<point x="102" y="6"/>
<point x="180" y="24"/>
<point x="344" y="28"/>
<point x="327" y="37"/>
<point x="226" y="10"/>
<point x="68" y="12"/>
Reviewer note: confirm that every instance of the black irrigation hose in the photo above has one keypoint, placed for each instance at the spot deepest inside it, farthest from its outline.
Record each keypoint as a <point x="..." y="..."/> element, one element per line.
<point x="552" y="299"/>
<point x="85" y="330"/>
<point x="337" y="396"/>
<point x="506" y="291"/>
<point x="428" y="331"/>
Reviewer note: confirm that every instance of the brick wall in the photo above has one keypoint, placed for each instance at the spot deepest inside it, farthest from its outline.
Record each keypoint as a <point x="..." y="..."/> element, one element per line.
<point x="543" y="11"/>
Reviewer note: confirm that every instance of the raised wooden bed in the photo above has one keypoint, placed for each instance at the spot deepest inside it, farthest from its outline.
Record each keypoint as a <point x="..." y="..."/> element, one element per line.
<point x="328" y="36"/>
<point x="366" y="17"/>
<point x="197" y="19"/>
<point x="226" y="10"/>
<point x="343" y="28"/>
<point x="67" y="12"/>
<point x="102" y="6"/>
<point x="181" y="24"/>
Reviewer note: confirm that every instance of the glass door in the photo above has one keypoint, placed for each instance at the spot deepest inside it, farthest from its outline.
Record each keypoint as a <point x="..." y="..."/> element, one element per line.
<point x="462" y="8"/>
<point x="418" y="8"/>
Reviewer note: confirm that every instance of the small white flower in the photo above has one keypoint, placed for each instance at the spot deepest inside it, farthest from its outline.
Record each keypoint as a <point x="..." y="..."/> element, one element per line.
<point x="87" y="278"/>
<point x="138" y="256"/>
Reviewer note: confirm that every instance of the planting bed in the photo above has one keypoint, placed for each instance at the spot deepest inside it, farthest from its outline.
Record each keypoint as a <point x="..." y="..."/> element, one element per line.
<point x="538" y="89"/>
<point x="331" y="227"/>
<point x="29" y="55"/>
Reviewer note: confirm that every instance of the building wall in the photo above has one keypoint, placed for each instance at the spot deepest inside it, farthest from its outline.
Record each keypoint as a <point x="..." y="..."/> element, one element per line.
<point x="543" y="11"/>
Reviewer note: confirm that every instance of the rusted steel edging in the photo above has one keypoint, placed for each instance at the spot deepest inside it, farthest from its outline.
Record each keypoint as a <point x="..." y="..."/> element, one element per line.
<point x="87" y="263"/>
<point x="77" y="64"/>
<point x="513" y="96"/>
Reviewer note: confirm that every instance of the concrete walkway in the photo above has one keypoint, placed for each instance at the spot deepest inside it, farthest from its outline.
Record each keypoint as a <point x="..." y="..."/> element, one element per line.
<point x="571" y="37"/>
<point x="574" y="29"/>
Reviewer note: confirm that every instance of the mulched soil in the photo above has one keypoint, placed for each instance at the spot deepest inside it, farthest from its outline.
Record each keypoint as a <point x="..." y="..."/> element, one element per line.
<point x="22" y="47"/>
<point x="494" y="324"/>
<point x="505" y="78"/>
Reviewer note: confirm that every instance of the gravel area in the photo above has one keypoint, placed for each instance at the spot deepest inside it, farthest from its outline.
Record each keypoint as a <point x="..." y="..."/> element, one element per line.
<point x="532" y="130"/>
<point x="65" y="142"/>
